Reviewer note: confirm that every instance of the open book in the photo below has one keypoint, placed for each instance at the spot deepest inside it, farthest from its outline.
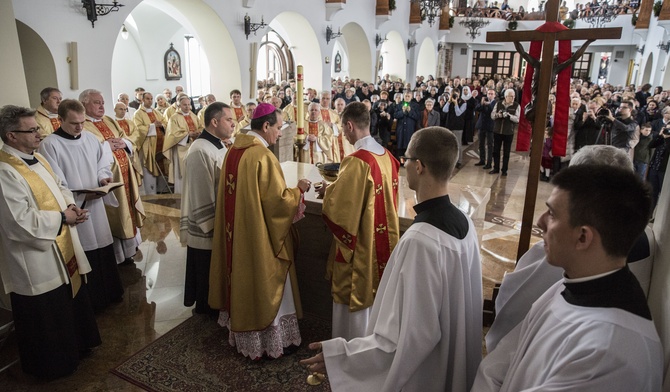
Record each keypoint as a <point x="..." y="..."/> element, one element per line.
<point x="102" y="190"/>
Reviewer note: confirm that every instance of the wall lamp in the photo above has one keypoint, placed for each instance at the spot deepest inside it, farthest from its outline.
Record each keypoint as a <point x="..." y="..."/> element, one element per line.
<point x="250" y="27"/>
<point x="94" y="10"/>
<point x="330" y="35"/>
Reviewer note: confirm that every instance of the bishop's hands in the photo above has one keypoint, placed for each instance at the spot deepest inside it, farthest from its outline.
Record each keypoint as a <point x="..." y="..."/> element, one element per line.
<point x="304" y="185"/>
<point x="317" y="363"/>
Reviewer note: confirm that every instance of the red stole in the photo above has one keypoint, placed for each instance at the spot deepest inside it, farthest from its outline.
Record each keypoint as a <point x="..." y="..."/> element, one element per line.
<point x="239" y="114"/>
<point x="55" y="122"/>
<point x="230" y="175"/>
<point x="325" y="115"/>
<point x="124" y="165"/>
<point x="189" y="122"/>
<point x="124" y="125"/>
<point x="382" y="241"/>
<point x="313" y="130"/>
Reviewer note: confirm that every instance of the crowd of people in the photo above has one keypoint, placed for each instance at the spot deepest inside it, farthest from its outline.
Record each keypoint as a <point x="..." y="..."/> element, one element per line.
<point x="237" y="216"/>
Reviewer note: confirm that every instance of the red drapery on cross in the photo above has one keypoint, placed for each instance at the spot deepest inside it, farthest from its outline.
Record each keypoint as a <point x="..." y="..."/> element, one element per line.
<point x="560" y="127"/>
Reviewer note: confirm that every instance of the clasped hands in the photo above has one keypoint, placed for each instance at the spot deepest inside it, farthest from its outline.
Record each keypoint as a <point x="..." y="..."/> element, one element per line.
<point x="116" y="143"/>
<point x="75" y="215"/>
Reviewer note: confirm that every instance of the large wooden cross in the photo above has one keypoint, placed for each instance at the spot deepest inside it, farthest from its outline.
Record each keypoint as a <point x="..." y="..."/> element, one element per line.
<point x="542" y="99"/>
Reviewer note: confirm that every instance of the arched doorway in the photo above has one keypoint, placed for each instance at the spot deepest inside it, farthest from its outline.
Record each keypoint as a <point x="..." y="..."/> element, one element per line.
<point x="426" y="59"/>
<point x="275" y="60"/>
<point x="155" y="24"/>
<point x="38" y="63"/>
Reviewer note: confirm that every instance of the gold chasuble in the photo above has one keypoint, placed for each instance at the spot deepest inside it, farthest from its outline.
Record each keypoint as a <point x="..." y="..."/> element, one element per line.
<point x="363" y="242"/>
<point x="149" y="145"/>
<point x="324" y="138"/>
<point x="129" y="215"/>
<point x="178" y="128"/>
<point x="46" y="201"/>
<point x="253" y="244"/>
<point x="48" y="123"/>
<point x="330" y="116"/>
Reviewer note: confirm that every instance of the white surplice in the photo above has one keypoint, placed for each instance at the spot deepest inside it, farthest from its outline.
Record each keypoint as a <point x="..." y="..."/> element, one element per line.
<point x="81" y="163"/>
<point x="425" y="328"/>
<point x="563" y="347"/>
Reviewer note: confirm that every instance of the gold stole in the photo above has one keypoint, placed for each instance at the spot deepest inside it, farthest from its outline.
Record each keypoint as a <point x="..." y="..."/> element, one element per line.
<point x="124" y="165"/>
<point x="46" y="201"/>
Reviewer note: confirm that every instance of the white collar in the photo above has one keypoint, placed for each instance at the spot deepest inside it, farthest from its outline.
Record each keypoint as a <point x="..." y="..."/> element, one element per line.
<point x="588" y="278"/>
<point x="368" y="143"/>
<point x="91" y="119"/>
<point x="257" y="135"/>
<point x="18" y="153"/>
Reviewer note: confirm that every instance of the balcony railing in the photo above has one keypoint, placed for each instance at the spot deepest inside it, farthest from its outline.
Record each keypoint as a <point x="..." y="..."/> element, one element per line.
<point x="521" y="14"/>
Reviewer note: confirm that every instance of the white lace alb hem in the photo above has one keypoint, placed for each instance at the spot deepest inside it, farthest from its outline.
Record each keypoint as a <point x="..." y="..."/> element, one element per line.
<point x="270" y="341"/>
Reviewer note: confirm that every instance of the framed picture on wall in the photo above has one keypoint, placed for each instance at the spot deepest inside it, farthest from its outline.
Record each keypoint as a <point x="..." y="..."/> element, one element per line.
<point x="172" y="62"/>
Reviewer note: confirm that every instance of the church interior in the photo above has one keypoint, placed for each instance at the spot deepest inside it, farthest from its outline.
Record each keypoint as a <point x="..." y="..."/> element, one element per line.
<point x="227" y="45"/>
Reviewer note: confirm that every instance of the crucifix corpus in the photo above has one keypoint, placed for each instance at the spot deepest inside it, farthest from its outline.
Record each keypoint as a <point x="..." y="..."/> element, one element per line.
<point x="541" y="74"/>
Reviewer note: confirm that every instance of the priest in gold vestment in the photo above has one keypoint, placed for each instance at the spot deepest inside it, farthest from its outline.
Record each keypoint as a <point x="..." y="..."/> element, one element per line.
<point x="183" y="127"/>
<point x="47" y="112"/>
<point x="363" y="242"/>
<point x="151" y="126"/>
<point x="128" y="216"/>
<point x="252" y="276"/>
<point x="318" y="148"/>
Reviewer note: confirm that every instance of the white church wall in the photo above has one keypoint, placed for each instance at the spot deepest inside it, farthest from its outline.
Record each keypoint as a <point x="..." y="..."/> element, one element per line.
<point x="12" y="77"/>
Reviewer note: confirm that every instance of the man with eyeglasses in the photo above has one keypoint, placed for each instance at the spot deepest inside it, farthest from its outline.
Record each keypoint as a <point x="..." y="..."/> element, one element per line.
<point x="624" y="132"/>
<point x="41" y="257"/>
<point x="424" y="332"/>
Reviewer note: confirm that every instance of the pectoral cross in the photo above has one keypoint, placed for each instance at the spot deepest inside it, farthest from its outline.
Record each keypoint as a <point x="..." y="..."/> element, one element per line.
<point x="548" y="34"/>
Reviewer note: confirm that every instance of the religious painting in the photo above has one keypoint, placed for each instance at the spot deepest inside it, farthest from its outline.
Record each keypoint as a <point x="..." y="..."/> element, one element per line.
<point x="172" y="62"/>
<point x="338" y="62"/>
<point x="381" y="63"/>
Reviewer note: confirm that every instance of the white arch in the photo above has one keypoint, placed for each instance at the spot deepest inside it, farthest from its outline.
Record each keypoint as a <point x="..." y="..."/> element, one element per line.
<point x="646" y="75"/>
<point x="426" y="59"/>
<point x="395" y="57"/>
<point x="196" y="18"/>
<point x="358" y="51"/>
<point x="300" y="36"/>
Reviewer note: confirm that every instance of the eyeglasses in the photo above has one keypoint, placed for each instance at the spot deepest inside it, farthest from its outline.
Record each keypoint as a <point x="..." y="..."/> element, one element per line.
<point x="404" y="159"/>
<point x="31" y="130"/>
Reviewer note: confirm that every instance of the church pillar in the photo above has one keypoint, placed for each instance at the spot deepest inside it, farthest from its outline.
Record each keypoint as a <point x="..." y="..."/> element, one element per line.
<point x="12" y="78"/>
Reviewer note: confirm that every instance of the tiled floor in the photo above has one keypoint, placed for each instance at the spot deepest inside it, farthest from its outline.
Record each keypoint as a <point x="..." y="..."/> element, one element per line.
<point x="153" y="303"/>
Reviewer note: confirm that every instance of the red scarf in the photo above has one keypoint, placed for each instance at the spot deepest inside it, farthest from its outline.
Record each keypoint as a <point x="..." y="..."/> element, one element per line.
<point x="560" y="137"/>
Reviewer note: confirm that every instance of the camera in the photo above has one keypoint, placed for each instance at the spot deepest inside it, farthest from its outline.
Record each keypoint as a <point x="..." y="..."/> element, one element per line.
<point x="666" y="131"/>
<point x="454" y="96"/>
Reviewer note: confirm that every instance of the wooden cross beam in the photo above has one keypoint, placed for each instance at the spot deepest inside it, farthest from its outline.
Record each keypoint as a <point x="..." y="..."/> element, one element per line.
<point x="542" y="99"/>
